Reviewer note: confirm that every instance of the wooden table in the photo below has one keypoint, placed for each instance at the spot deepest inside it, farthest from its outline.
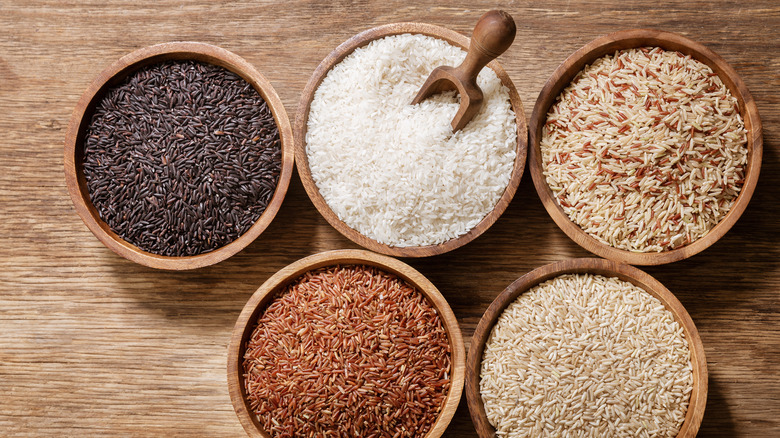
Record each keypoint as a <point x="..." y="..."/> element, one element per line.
<point x="91" y="343"/>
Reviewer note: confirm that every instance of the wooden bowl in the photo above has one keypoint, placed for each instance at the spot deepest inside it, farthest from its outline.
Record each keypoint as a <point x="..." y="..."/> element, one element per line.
<point x="627" y="39"/>
<point x="256" y="305"/>
<point x="302" y="118"/>
<point x="115" y="74"/>
<point x="603" y="267"/>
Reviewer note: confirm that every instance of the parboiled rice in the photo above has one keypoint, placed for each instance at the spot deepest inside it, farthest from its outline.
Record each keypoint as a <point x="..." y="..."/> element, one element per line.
<point x="393" y="171"/>
<point x="645" y="150"/>
<point x="586" y="356"/>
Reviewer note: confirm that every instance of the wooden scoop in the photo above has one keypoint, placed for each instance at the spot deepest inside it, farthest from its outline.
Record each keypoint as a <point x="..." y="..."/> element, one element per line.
<point x="492" y="35"/>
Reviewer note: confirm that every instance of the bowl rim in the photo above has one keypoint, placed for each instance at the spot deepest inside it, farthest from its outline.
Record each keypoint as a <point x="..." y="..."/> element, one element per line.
<point x="300" y="127"/>
<point x="115" y="73"/>
<point x="265" y="293"/>
<point x="610" y="43"/>
<point x="608" y="268"/>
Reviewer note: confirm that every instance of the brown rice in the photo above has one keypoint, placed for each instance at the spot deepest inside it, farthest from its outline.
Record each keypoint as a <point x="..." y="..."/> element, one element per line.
<point x="586" y="356"/>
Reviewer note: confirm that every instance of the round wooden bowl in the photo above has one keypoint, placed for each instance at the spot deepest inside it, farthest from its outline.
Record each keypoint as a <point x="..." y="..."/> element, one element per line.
<point x="603" y="267"/>
<point x="256" y="305"/>
<point x="116" y="73"/>
<point x="302" y="117"/>
<point x="627" y="39"/>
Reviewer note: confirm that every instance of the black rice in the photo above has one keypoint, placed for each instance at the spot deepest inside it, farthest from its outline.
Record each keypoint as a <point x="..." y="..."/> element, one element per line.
<point x="181" y="158"/>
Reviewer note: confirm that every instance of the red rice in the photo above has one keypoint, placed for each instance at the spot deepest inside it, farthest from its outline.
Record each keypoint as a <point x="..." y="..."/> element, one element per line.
<point x="348" y="351"/>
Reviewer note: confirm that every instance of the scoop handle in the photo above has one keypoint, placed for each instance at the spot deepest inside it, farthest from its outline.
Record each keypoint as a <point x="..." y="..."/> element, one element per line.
<point x="493" y="34"/>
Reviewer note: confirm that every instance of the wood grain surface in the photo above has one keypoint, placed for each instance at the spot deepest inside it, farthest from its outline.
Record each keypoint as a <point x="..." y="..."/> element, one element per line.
<point x="92" y="344"/>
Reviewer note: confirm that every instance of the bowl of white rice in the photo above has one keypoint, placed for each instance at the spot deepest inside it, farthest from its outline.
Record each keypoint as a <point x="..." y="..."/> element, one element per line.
<point x="645" y="147"/>
<point x="586" y="347"/>
<point x="391" y="176"/>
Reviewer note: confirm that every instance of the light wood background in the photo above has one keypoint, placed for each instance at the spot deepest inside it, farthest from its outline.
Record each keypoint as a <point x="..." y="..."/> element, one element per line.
<point x="91" y="344"/>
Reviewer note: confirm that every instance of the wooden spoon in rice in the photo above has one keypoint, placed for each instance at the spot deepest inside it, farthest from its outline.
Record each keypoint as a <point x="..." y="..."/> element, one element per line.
<point x="493" y="34"/>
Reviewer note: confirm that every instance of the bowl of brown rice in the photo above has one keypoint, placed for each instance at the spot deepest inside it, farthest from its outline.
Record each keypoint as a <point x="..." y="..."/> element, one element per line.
<point x="391" y="176"/>
<point x="178" y="155"/>
<point x="346" y="343"/>
<point x="586" y="347"/>
<point x="645" y="147"/>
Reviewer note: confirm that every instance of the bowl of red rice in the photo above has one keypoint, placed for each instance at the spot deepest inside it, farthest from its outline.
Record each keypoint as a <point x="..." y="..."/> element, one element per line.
<point x="346" y="343"/>
<point x="645" y="146"/>
<point x="586" y="347"/>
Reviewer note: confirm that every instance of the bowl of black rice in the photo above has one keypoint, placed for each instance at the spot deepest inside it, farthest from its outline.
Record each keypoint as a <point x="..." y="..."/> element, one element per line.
<point x="178" y="155"/>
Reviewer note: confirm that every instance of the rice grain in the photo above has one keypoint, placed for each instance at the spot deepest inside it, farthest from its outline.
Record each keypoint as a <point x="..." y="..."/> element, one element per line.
<point x="348" y="351"/>
<point x="645" y="150"/>
<point x="396" y="172"/>
<point x="586" y="356"/>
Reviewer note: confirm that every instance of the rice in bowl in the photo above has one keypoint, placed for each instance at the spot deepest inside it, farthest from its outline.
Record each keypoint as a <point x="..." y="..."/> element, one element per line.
<point x="348" y="351"/>
<point x="645" y="150"/>
<point x="583" y="355"/>
<point x="396" y="172"/>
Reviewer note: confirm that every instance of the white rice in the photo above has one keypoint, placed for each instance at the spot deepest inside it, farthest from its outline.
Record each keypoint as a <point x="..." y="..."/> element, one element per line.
<point x="645" y="150"/>
<point x="586" y="356"/>
<point x="393" y="171"/>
